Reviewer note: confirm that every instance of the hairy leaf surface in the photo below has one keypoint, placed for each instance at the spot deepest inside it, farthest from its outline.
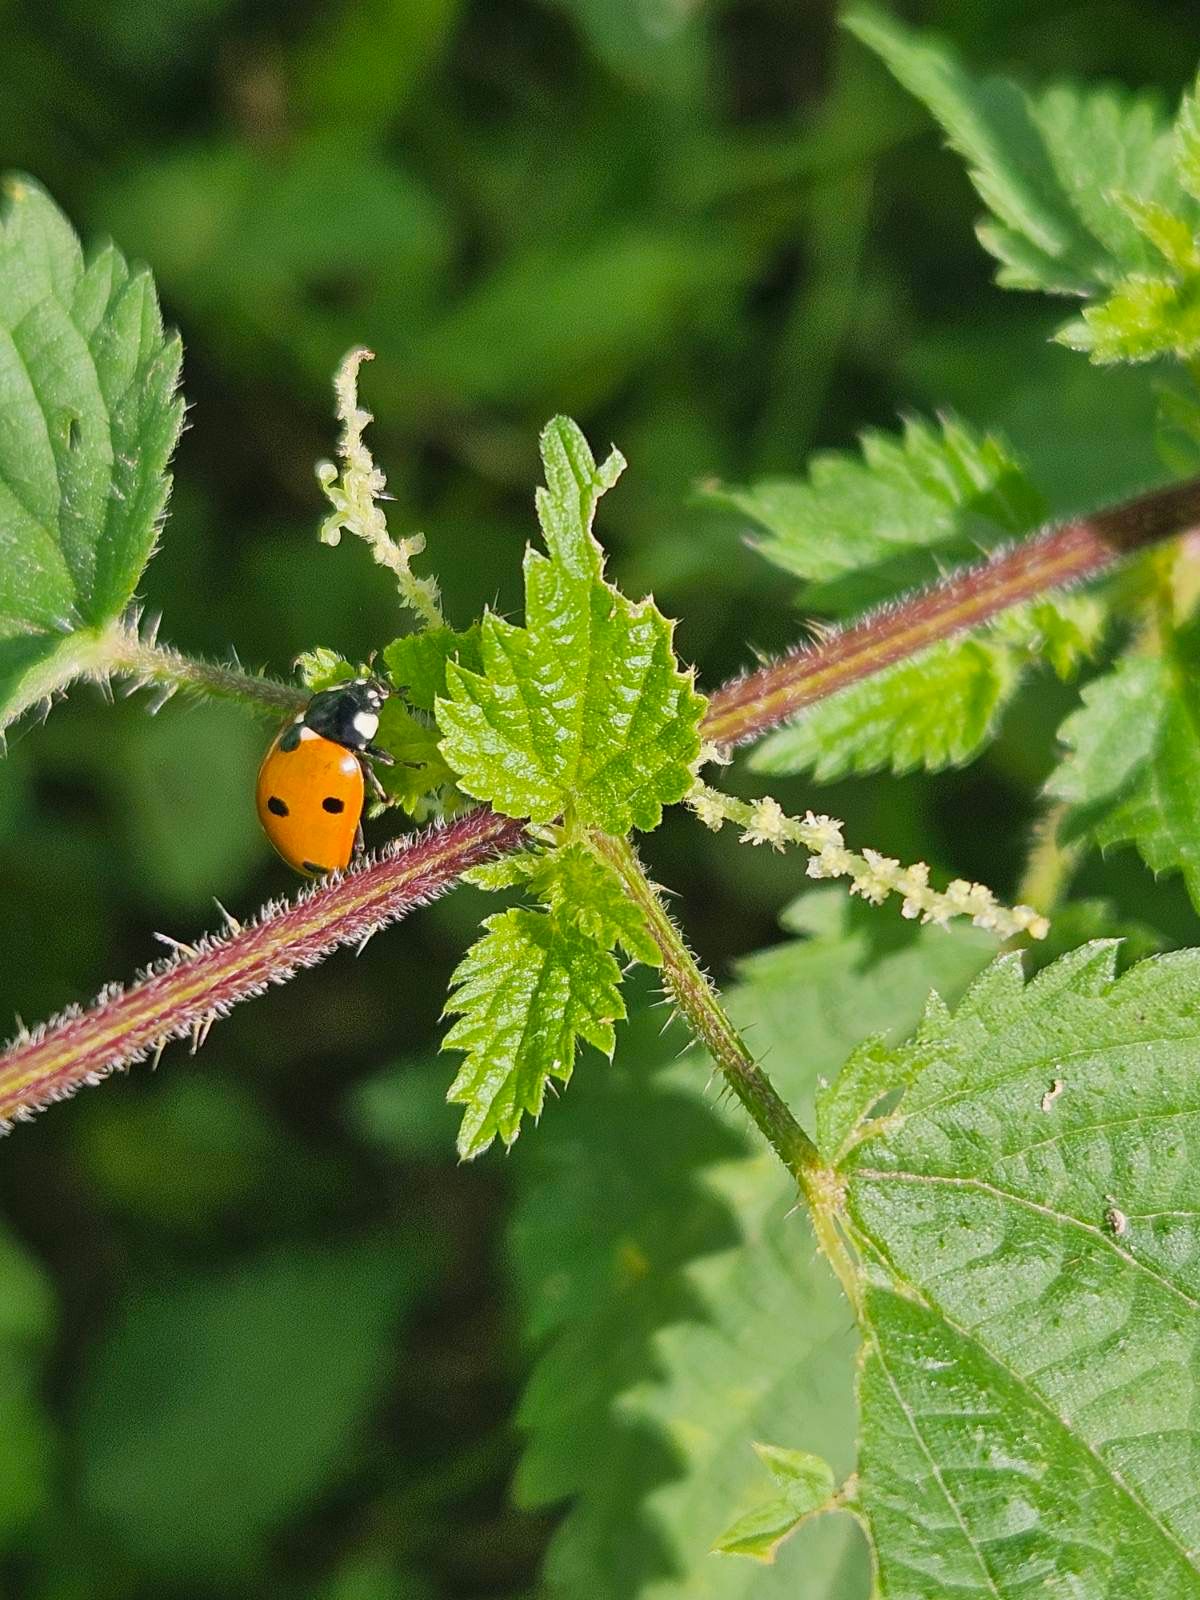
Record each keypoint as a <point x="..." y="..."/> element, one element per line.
<point x="535" y="984"/>
<point x="90" y="417"/>
<point x="939" y="708"/>
<point x="1028" y="1220"/>
<point x="584" y="708"/>
<point x="891" y="516"/>
<point x="523" y="995"/>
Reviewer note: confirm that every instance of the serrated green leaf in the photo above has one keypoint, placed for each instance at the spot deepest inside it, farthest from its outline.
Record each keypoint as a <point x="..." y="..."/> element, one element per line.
<point x="1065" y="631"/>
<point x="659" y="1254"/>
<point x="523" y="995"/>
<point x="939" y="708"/>
<point x="585" y="892"/>
<point x="1050" y="167"/>
<point x="807" y="1483"/>
<point x="418" y="768"/>
<point x="1172" y="236"/>
<point x="506" y="873"/>
<point x="585" y="706"/>
<point x="936" y="710"/>
<point x="88" y="396"/>
<point x="893" y="517"/>
<point x="1187" y="142"/>
<point x="1028" y="1218"/>
<point x="416" y="664"/>
<point x="864" y="528"/>
<point x="579" y="888"/>
<point x="1131" y="774"/>
<point x="535" y="982"/>
<point x="1143" y="318"/>
<point x="323" y="668"/>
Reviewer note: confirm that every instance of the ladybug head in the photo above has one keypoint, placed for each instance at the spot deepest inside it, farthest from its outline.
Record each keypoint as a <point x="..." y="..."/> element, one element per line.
<point x="348" y="714"/>
<point x="371" y="691"/>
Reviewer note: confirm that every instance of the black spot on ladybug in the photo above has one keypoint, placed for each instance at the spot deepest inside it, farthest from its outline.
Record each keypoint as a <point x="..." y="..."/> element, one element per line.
<point x="332" y="803"/>
<point x="311" y="866"/>
<point x="277" y="807"/>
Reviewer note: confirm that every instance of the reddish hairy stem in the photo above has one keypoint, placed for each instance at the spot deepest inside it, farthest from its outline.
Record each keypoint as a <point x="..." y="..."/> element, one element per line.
<point x="1084" y="548"/>
<point x="184" y="993"/>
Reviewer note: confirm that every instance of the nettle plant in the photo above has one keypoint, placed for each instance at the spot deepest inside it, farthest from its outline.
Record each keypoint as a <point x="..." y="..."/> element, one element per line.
<point x="1009" y="1196"/>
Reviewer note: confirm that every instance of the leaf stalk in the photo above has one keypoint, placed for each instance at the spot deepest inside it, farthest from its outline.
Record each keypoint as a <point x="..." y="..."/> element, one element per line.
<point x="701" y="1007"/>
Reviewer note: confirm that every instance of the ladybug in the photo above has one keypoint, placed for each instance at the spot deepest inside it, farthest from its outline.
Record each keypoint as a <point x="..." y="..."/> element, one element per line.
<point x="311" y="784"/>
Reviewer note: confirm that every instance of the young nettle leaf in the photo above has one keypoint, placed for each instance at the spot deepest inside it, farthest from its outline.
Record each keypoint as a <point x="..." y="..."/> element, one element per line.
<point x="1153" y="312"/>
<point x="1131" y="774"/>
<point x="416" y="664"/>
<point x="863" y="529"/>
<point x="536" y="982"/>
<point x="323" y="668"/>
<point x="805" y="1486"/>
<point x="416" y="668"/>
<point x="582" y="890"/>
<point x="584" y="709"/>
<point x="1028" y="1218"/>
<point x="1057" y="170"/>
<point x="88" y="395"/>
<point x="939" y="708"/>
<point x="524" y="994"/>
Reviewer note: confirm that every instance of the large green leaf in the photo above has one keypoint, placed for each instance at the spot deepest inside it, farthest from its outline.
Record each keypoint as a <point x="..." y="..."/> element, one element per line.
<point x="88" y="419"/>
<point x="673" y="1289"/>
<point x="1053" y="169"/>
<point x="1027" y="1220"/>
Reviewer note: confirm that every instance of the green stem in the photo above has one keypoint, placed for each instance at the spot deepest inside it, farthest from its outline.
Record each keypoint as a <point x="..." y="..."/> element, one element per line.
<point x="701" y="1006"/>
<point x="125" y="653"/>
<point x="706" y="1017"/>
<point x="1050" y="865"/>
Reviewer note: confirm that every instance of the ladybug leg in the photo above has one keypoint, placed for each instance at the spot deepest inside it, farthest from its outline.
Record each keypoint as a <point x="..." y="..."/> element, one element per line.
<point x="376" y="754"/>
<point x="360" y="844"/>
<point x="373" y="782"/>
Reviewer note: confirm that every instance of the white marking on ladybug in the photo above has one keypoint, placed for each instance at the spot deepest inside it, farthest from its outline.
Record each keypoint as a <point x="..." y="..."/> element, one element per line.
<point x="366" y="723"/>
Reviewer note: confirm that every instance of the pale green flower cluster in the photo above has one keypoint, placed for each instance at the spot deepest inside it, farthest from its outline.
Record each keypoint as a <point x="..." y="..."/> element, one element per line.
<point x="354" y="494"/>
<point x="871" y="875"/>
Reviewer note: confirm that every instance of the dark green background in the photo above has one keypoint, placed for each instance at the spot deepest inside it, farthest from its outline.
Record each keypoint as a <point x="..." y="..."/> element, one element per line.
<point x="256" y="1334"/>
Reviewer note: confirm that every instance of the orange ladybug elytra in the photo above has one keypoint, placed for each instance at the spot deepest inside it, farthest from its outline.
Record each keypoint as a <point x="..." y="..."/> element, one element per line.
<point x="311" y="783"/>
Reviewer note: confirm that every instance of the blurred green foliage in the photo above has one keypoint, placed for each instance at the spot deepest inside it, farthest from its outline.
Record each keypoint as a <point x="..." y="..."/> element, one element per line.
<point x="715" y="233"/>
